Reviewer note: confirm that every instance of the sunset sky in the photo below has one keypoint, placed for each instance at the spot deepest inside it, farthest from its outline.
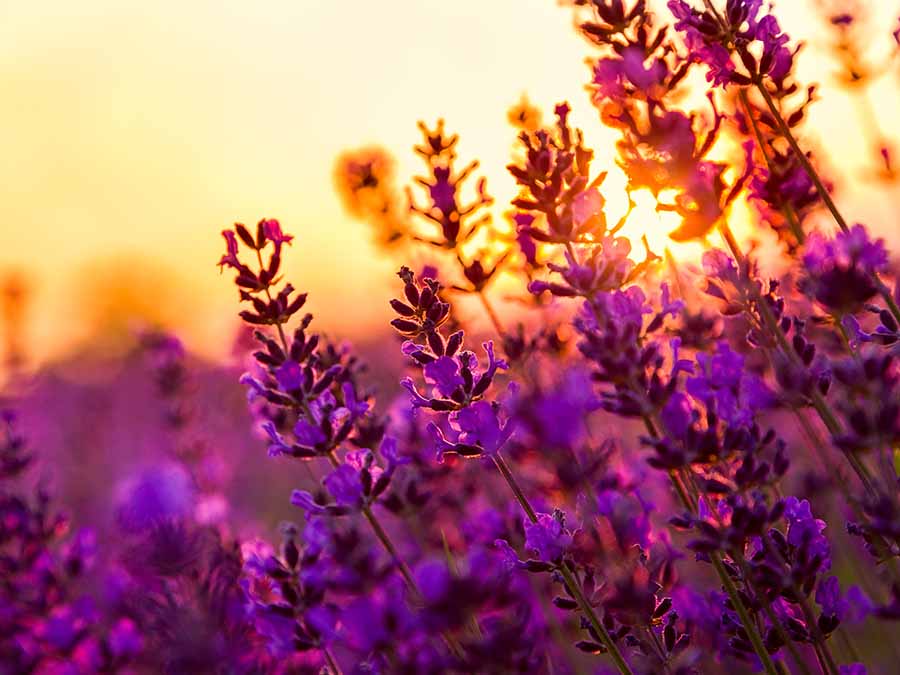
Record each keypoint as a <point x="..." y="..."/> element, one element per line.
<point x="133" y="132"/>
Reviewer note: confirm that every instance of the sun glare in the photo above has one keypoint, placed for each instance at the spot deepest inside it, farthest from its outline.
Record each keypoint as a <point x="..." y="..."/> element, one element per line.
<point x="645" y="221"/>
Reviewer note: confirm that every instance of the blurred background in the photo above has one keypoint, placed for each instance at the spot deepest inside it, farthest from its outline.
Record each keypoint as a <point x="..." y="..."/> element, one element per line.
<point x="133" y="132"/>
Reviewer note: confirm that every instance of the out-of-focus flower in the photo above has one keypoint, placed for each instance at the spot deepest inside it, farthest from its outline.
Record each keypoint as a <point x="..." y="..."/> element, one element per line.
<point x="841" y="272"/>
<point x="365" y="182"/>
<point x="713" y="37"/>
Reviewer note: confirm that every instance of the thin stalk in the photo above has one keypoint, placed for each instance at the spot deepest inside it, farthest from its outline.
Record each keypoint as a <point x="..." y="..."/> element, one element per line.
<point x="776" y="622"/>
<point x="816" y="445"/>
<point x="388" y="544"/>
<point x="845" y="337"/>
<point x="801" y="156"/>
<point x="492" y="314"/>
<point x="568" y="577"/>
<point x="820" y="186"/>
<point x="507" y="474"/>
<point x="820" y="657"/>
<point x="888" y="299"/>
<point x="787" y="211"/>
<point x="474" y="626"/>
<point x="730" y="588"/>
<point x="849" y="647"/>
<point x="888" y="471"/>
<point x="819" y="403"/>
<point x="782" y="632"/>
<point x="676" y="274"/>
<point x="331" y="662"/>
<point x="712" y="8"/>
<point x="575" y="587"/>
<point x="804" y="605"/>
<point x="749" y="626"/>
<point x="736" y="599"/>
<point x="385" y="539"/>
<point x="659" y="648"/>
<point x="791" y="647"/>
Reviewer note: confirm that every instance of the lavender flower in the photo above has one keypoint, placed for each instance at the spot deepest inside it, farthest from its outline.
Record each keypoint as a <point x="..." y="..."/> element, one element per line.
<point x="713" y="37"/>
<point x="841" y="272"/>
<point x="548" y="537"/>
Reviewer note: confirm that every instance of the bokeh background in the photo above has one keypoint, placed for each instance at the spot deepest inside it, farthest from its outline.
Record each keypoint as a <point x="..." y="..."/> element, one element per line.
<point x="132" y="132"/>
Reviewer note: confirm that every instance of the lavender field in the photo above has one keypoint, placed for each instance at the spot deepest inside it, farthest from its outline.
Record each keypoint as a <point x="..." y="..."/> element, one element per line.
<point x="640" y="417"/>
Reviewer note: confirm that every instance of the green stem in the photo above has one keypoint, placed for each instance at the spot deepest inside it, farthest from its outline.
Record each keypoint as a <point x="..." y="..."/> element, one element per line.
<point x="801" y="156"/>
<point x="820" y="186"/>
<point x="575" y="587"/>
<point x="889" y="299"/>
<point x="808" y="613"/>
<point x="736" y="599"/>
<point x="385" y="539"/>
<point x="746" y="620"/>
<point x="819" y="403"/>
<point x="776" y="622"/>
<point x="568" y="577"/>
<point x="388" y="544"/>
<point x="845" y="336"/>
<point x="659" y="649"/>
<point x="730" y="588"/>
<point x="787" y="211"/>
<point x="507" y="474"/>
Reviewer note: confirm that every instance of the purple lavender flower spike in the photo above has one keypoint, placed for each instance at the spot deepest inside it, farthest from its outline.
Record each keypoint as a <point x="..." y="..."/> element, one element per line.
<point x="841" y="272"/>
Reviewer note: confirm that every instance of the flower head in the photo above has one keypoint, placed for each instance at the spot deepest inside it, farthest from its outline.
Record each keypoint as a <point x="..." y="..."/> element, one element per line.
<point x="548" y="537"/>
<point x="841" y="272"/>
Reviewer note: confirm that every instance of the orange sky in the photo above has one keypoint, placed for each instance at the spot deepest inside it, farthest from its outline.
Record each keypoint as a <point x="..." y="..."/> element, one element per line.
<point x="142" y="128"/>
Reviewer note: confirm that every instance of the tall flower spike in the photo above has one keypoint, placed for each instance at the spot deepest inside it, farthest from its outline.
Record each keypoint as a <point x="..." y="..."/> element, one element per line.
<point x="555" y="184"/>
<point x="253" y="285"/>
<point x="422" y="311"/>
<point x="457" y="392"/>
<point x="713" y="36"/>
<point x="841" y="273"/>
<point x="456" y="221"/>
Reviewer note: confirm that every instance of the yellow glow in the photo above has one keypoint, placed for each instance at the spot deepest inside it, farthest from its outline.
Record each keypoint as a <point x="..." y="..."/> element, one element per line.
<point x="137" y="130"/>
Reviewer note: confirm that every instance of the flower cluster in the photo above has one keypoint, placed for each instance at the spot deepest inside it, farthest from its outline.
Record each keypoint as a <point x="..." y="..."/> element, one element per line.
<point x="715" y="38"/>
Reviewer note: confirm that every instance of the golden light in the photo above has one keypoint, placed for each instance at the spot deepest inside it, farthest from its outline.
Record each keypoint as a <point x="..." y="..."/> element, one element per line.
<point x="645" y="220"/>
<point x="142" y="129"/>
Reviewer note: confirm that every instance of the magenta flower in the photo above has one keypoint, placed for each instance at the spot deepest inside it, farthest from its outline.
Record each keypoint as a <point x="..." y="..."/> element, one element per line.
<point x="479" y="424"/>
<point x="454" y="382"/>
<point x="712" y="37"/>
<point x="841" y="273"/>
<point x="548" y="537"/>
<point x="443" y="375"/>
<point x="478" y="430"/>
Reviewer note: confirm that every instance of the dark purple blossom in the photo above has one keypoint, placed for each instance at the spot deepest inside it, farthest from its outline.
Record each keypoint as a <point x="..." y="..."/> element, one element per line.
<point x="717" y="38"/>
<point x="548" y="537"/>
<point x="841" y="272"/>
